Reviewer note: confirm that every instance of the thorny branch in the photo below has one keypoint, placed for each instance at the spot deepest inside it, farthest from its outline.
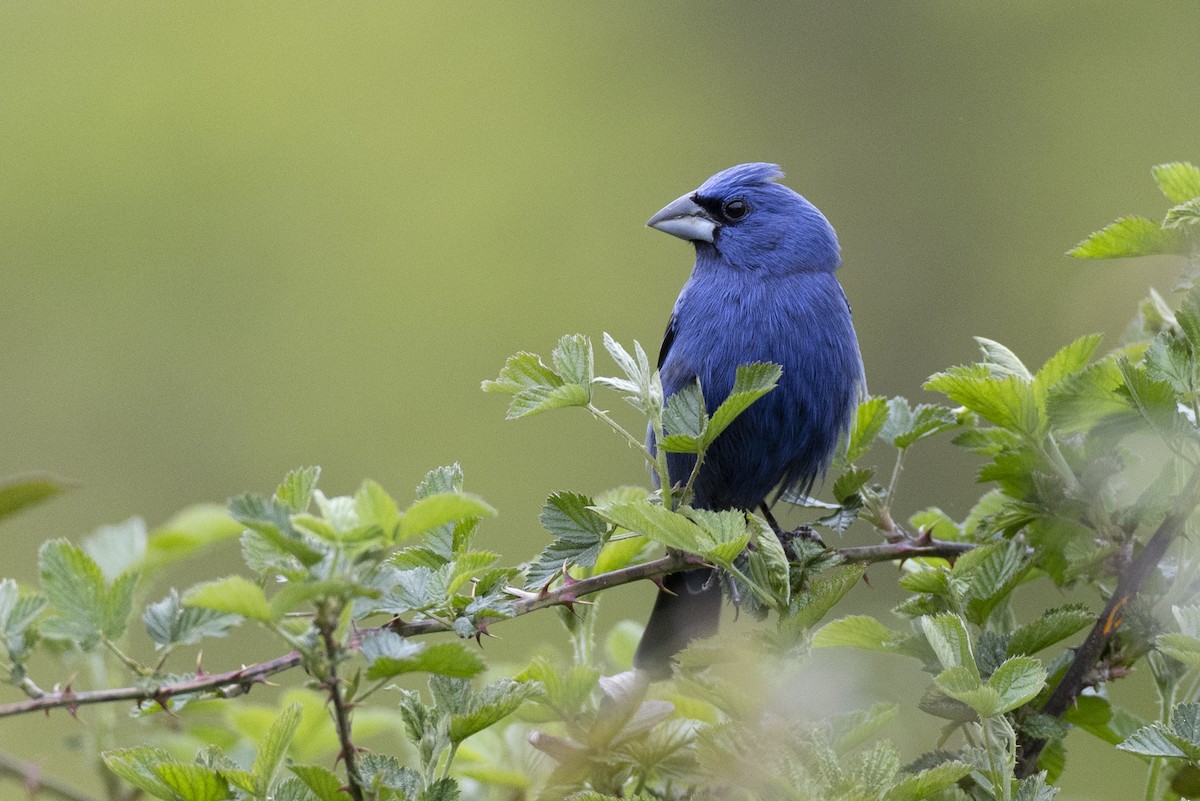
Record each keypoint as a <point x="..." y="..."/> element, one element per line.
<point x="1089" y="653"/>
<point x="238" y="682"/>
<point x="341" y="710"/>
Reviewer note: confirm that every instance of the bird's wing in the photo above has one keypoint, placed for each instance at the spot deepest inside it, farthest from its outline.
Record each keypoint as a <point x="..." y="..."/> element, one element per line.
<point x="668" y="338"/>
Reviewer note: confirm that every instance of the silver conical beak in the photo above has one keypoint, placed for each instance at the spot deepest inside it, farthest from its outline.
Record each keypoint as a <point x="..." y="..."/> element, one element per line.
<point x="685" y="219"/>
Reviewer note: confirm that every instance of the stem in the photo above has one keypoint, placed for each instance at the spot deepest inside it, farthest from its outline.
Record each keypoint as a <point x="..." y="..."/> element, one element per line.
<point x="449" y="760"/>
<point x="239" y="682"/>
<point x="637" y="444"/>
<point x="1166" y="685"/>
<point x="29" y="774"/>
<point x="326" y="623"/>
<point x="226" y="685"/>
<point x="1054" y="455"/>
<point x="691" y="482"/>
<point x="891" y="488"/>
<point x="135" y="666"/>
<point x="1129" y="585"/>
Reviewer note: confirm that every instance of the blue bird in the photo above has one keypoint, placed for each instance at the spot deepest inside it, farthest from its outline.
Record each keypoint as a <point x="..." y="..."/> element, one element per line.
<point x="762" y="289"/>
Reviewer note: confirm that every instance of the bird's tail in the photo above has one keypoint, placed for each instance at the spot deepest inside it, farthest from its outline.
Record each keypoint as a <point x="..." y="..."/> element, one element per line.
<point x="688" y="607"/>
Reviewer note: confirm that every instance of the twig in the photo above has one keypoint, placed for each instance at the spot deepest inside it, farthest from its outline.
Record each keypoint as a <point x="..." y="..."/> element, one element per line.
<point x="238" y="682"/>
<point x="1090" y="651"/>
<point x="229" y="685"/>
<point x="341" y="712"/>
<point x="30" y="776"/>
<point x="904" y="549"/>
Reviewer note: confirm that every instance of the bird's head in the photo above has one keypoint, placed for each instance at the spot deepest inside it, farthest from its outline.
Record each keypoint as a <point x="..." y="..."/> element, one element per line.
<point x="751" y="222"/>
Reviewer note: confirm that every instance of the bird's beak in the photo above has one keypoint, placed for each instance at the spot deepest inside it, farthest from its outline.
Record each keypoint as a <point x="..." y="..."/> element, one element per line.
<point x="685" y="219"/>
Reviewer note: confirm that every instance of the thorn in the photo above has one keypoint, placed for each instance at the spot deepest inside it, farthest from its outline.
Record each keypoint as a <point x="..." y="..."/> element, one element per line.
<point x="867" y="579"/>
<point x="199" y="667"/>
<point x="481" y="631"/>
<point x="567" y="578"/>
<point x="525" y="595"/>
<point x="658" y="581"/>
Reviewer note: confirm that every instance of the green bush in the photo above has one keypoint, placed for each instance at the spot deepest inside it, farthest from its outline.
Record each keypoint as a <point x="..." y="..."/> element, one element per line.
<point x="1092" y="469"/>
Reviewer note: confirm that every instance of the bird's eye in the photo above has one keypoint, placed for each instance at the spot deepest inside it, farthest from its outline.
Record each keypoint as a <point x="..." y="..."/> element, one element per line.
<point x="735" y="209"/>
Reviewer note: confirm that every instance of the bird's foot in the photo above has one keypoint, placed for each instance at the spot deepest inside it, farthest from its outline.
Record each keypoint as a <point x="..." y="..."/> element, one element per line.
<point x="804" y="533"/>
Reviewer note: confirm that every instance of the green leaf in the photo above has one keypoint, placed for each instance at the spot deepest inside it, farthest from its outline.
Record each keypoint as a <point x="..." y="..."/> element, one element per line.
<point x="376" y="507"/>
<point x="1053" y="626"/>
<point x="1156" y="740"/>
<point x="1155" y="401"/>
<point x="523" y="371"/>
<point x="1098" y="717"/>
<point x="574" y="361"/>
<point x="543" y="399"/>
<point x="139" y="766"/>
<point x="948" y="637"/>
<point x="272" y="519"/>
<point x="1017" y="681"/>
<point x="993" y="574"/>
<point x="1185" y="723"/>
<point x="17" y="612"/>
<point x="1169" y="358"/>
<point x="751" y="383"/>
<point x="436" y="510"/>
<point x="86" y="608"/>
<point x="724" y="534"/>
<point x="768" y="562"/>
<point x="466" y="566"/>
<point x="447" y="478"/>
<point x="861" y="725"/>
<point x="920" y="423"/>
<point x="1006" y="401"/>
<point x="323" y="783"/>
<point x="685" y="421"/>
<point x="659" y="524"/>
<point x="1035" y="788"/>
<point x="388" y="654"/>
<point x="24" y="491"/>
<point x="869" y="419"/>
<point x="847" y="485"/>
<point x="858" y="631"/>
<point x="189" y="531"/>
<point x="822" y="593"/>
<point x="1128" y="237"/>
<point x="642" y="388"/>
<point x="1067" y="361"/>
<point x="294" y="594"/>
<point x="1188" y="618"/>
<point x="579" y="533"/>
<point x="233" y="595"/>
<point x="487" y="707"/>
<point x="964" y="684"/>
<point x="1182" y="216"/>
<point x="1179" y="181"/>
<point x="1080" y="401"/>
<point x="1003" y="362"/>
<point x="169" y="623"/>
<point x="1188" y="318"/>
<point x="273" y="749"/>
<point x="296" y="491"/>
<point x="1186" y="781"/>
<point x="535" y="387"/>
<point x="928" y="782"/>
<point x="193" y="782"/>
<point x="118" y="548"/>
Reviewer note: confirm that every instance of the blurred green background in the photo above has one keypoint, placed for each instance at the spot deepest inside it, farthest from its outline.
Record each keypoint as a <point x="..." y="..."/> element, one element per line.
<point x="239" y="238"/>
